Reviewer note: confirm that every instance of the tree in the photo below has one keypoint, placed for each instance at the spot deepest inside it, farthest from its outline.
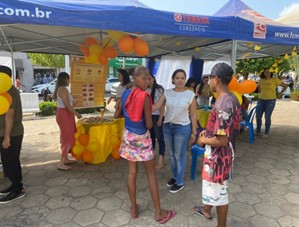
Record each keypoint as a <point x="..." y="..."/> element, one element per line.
<point x="50" y="60"/>
<point x="277" y="65"/>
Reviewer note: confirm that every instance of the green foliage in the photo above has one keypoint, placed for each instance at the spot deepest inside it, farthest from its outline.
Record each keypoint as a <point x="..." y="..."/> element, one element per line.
<point x="47" y="108"/>
<point x="86" y="110"/>
<point x="50" y="60"/>
<point x="256" y="65"/>
<point x="256" y="96"/>
<point x="294" y="63"/>
<point x="295" y="95"/>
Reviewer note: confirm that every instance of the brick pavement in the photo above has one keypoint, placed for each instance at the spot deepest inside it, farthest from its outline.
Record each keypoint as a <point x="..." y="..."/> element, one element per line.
<point x="263" y="193"/>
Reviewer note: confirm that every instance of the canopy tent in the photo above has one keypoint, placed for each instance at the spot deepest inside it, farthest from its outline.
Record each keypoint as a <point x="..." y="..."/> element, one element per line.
<point x="56" y="26"/>
<point x="273" y="38"/>
<point x="291" y="17"/>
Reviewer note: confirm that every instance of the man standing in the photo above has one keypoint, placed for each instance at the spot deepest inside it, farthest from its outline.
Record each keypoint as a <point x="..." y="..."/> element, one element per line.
<point x="11" y="137"/>
<point x="219" y="142"/>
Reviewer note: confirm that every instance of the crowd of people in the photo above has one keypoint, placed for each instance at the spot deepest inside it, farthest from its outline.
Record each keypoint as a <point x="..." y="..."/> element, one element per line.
<point x="152" y="113"/>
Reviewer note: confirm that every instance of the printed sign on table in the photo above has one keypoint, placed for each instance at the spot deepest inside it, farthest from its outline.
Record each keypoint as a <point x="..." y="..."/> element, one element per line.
<point x="87" y="83"/>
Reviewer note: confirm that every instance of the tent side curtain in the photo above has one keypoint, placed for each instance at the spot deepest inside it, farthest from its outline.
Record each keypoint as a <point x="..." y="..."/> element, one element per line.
<point x="93" y="14"/>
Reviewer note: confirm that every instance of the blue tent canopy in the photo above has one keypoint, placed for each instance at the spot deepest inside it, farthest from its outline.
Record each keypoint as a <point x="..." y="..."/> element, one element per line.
<point x="252" y="26"/>
<point x="57" y="26"/>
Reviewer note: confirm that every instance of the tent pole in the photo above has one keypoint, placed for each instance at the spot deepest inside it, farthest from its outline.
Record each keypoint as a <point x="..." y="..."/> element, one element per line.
<point x="234" y="54"/>
<point x="13" y="71"/>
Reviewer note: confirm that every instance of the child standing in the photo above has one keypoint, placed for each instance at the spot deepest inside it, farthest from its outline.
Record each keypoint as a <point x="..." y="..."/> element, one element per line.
<point x="136" y="143"/>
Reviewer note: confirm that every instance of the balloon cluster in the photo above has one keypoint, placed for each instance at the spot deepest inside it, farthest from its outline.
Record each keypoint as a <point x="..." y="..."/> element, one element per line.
<point x="5" y="98"/>
<point x="88" y="149"/>
<point x="129" y="44"/>
<point x="99" y="53"/>
<point x="244" y="87"/>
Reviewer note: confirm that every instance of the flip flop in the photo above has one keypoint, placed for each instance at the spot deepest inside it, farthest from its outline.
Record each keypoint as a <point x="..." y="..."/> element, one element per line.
<point x="64" y="168"/>
<point x="197" y="210"/>
<point x="69" y="162"/>
<point x="169" y="216"/>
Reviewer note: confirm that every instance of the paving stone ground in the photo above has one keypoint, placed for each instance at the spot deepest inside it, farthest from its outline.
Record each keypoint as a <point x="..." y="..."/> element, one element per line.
<point x="263" y="193"/>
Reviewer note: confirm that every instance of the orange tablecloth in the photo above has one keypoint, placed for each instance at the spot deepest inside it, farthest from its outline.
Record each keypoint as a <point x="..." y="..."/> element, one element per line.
<point x="202" y="117"/>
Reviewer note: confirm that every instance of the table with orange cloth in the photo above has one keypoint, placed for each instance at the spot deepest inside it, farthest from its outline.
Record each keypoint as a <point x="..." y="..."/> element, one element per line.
<point x="203" y="117"/>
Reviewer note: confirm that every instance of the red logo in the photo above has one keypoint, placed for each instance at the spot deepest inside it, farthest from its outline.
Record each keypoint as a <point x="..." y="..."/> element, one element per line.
<point x="260" y="31"/>
<point x="178" y="17"/>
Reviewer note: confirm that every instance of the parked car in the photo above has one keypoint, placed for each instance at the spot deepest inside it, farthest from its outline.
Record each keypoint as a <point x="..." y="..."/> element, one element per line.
<point x="114" y="87"/>
<point x="286" y="94"/>
<point x="40" y="88"/>
<point x="109" y="83"/>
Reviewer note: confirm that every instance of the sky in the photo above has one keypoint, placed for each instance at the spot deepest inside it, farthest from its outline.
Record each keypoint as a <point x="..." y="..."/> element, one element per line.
<point x="272" y="9"/>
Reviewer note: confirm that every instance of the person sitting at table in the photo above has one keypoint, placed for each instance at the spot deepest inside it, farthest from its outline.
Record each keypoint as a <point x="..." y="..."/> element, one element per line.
<point x="203" y="91"/>
<point x="136" y="145"/>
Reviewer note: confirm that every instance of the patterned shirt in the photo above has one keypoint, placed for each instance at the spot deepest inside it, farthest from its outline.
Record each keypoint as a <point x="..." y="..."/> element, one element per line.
<point x="224" y="119"/>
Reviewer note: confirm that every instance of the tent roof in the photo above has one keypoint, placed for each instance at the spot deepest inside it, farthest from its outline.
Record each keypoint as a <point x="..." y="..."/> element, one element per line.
<point x="57" y="26"/>
<point x="239" y="9"/>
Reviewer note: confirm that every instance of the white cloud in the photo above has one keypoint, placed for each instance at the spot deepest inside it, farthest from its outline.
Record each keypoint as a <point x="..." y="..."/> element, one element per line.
<point x="291" y="9"/>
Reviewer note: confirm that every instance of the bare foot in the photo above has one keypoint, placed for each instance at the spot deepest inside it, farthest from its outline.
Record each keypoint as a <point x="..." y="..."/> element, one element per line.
<point x="159" y="166"/>
<point x="134" y="211"/>
<point x="63" y="167"/>
<point x="160" y="163"/>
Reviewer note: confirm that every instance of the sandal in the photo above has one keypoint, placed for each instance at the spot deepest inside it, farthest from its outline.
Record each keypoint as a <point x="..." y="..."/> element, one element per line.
<point x="197" y="210"/>
<point x="63" y="167"/>
<point x="170" y="215"/>
<point x="69" y="162"/>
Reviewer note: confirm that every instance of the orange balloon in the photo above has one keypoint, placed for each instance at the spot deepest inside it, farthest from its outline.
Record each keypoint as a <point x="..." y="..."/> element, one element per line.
<point x="110" y="52"/>
<point x="84" y="139"/>
<point x="140" y="47"/>
<point x="8" y="97"/>
<point x="125" y="43"/>
<point x="87" y="156"/>
<point x="233" y="84"/>
<point x="76" y="156"/>
<point x="246" y="87"/>
<point x="90" y="41"/>
<point x="85" y="50"/>
<point x="103" y="59"/>
<point x="115" y="153"/>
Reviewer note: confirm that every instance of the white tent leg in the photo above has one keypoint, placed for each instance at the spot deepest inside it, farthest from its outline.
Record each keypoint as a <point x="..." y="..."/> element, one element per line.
<point x="13" y="70"/>
<point x="234" y="55"/>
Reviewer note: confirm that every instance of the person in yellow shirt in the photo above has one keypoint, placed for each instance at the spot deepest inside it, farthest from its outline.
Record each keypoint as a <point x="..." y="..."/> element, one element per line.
<point x="203" y="91"/>
<point x="190" y="84"/>
<point x="267" y="99"/>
